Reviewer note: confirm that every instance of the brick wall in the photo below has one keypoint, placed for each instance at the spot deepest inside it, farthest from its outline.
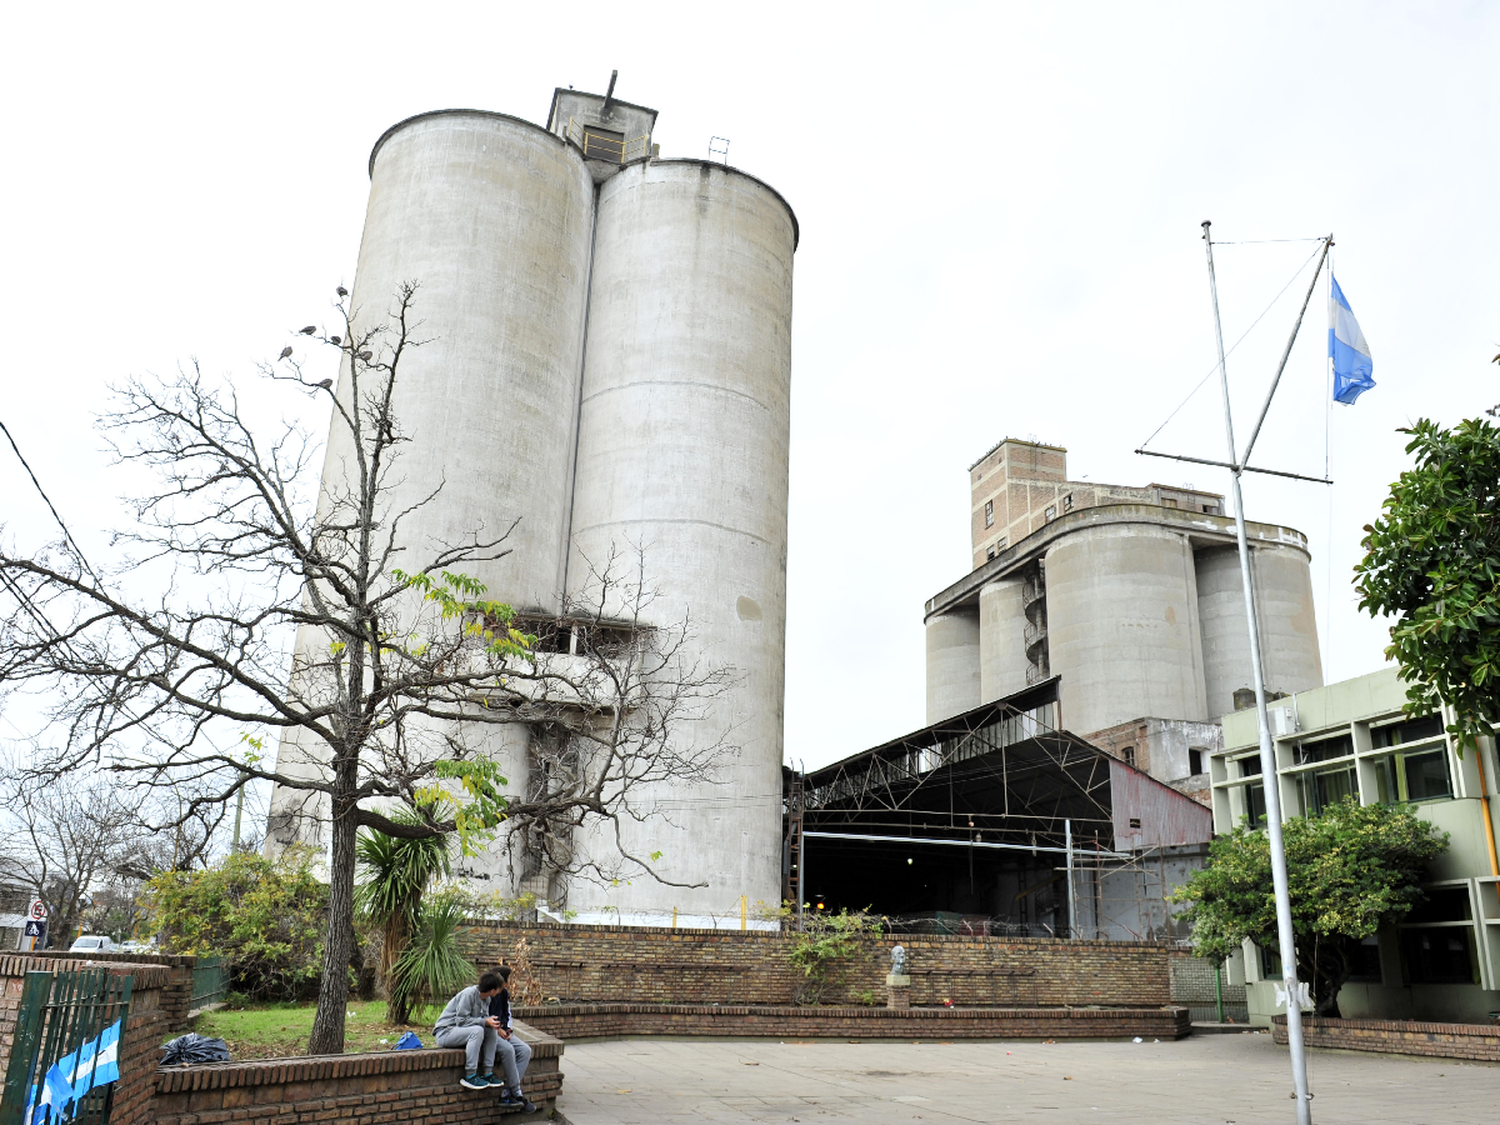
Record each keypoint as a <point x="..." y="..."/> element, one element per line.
<point x="1399" y="1037"/>
<point x="384" y="1088"/>
<point x="145" y="1026"/>
<point x="613" y="964"/>
<point x="587" y="1021"/>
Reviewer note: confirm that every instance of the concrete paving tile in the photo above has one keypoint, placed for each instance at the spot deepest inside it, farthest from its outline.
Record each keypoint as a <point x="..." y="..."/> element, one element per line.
<point x="1235" y="1080"/>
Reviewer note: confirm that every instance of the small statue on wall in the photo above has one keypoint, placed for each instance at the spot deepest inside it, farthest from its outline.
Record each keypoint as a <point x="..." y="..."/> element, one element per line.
<point x="898" y="961"/>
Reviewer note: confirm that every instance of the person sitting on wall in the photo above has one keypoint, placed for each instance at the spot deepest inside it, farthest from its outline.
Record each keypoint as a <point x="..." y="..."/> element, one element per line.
<point x="513" y="1051"/>
<point x="466" y="1022"/>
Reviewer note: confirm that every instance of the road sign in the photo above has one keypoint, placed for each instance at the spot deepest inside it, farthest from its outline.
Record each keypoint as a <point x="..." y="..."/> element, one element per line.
<point x="36" y="929"/>
<point x="38" y="910"/>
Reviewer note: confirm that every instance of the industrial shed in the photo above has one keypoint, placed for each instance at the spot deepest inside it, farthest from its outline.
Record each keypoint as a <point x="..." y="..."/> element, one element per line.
<point x="993" y="821"/>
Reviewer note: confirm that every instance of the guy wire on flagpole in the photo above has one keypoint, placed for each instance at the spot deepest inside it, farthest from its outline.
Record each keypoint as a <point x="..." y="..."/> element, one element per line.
<point x="1286" y="938"/>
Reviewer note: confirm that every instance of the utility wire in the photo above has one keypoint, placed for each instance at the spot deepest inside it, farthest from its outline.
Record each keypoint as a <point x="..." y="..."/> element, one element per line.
<point x="1238" y="342"/>
<point x="77" y="549"/>
<point x="1263" y="241"/>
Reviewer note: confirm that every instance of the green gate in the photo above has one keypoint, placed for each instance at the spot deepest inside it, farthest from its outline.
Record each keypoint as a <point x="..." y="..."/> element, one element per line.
<point x="58" y="1014"/>
<point x="209" y="982"/>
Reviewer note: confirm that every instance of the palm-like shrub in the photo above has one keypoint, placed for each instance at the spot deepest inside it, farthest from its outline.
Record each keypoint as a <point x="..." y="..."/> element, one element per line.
<point x="431" y="968"/>
<point x="395" y="873"/>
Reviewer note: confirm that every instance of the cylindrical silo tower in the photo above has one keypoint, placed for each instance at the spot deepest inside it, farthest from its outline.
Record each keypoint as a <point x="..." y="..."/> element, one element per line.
<point x="1122" y="609"/>
<point x="1002" y="640"/>
<point x="1289" y="637"/>
<point x="954" y="681"/>
<point x="682" y="455"/>
<point x="492" y="217"/>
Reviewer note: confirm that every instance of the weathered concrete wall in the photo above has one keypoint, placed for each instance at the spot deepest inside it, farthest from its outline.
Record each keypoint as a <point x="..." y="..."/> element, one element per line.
<point x="682" y="455"/>
<point x="1002" y="644"/>
<point x="493" y="218"/>
<point x="1122" y="611"/>
<point x="953" y="664"/>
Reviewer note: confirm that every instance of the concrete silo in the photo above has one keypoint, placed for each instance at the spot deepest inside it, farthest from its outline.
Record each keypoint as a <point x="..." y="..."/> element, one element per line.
<point x="954" y="676"/>
<point x="609" y="364"/>
<point x="682" y="456"/>
<point x="1129" y="597"/>
<point x="1002" y="613"/>
<point x="1122" y="612"/>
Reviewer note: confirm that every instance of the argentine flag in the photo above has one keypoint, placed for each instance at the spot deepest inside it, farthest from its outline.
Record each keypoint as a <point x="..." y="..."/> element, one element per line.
<point x="1347" y="348"/>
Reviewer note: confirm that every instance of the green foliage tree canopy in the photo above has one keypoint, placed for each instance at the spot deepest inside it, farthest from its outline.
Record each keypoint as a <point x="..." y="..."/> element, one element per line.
<point x="268" y="919"/>
<point x="1350" y="871"/>
<point x="1433" y="562"/>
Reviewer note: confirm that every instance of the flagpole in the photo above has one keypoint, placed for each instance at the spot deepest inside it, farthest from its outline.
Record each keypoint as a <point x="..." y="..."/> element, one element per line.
<point x="1286" y="939"/>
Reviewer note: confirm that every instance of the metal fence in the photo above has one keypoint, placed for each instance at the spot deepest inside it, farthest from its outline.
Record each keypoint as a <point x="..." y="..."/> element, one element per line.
<point x="210" y="982"/>
<point x="58" y="1014"/>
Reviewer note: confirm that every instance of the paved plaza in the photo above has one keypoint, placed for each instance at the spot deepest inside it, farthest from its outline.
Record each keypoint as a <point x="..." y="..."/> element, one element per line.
<point x="1214" y="1079"/>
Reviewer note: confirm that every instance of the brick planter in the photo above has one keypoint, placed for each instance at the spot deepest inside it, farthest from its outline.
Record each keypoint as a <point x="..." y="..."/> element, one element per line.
<point x="592" y="1021"/>
<point x="380" y="1088"/>
<point x="1399" y="1037"/>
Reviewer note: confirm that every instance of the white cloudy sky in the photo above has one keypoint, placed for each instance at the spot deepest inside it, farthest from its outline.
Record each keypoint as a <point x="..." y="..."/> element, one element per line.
<point x="1000" y="210"/>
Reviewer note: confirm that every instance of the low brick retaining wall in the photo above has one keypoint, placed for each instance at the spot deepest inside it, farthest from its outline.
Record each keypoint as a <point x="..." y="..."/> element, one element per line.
<point x="176" y="995"/>
<point x="381" y="1088"/>
<point x="1399" y="1037"/>
<point x="140" y="1039"/>
<point x="659" y="965"/>
<point x="592" y="1021"/>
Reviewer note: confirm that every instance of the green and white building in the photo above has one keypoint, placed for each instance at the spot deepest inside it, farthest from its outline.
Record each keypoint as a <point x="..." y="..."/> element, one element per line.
<point x="1443" y="961"/>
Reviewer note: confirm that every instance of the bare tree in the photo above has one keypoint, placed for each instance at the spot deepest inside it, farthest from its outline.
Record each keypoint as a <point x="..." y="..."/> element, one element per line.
<point x="397" y="653"/>
<point x="62" y="839"/>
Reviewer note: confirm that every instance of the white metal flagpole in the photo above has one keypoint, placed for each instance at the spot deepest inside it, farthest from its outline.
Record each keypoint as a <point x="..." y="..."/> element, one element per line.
<point x="1286" y="938"/>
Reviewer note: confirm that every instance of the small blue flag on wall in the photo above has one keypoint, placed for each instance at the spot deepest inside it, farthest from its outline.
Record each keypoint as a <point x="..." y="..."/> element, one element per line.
<point x="1347" y="348"/>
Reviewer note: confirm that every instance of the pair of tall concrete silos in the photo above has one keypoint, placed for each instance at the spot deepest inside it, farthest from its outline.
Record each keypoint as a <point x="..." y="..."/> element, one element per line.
<point x="609" y="363"/>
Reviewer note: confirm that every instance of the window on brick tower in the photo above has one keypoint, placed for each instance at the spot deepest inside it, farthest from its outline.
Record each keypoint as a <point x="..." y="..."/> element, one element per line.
<point x="989" y="513"/>
<point x="1127" y="754"/>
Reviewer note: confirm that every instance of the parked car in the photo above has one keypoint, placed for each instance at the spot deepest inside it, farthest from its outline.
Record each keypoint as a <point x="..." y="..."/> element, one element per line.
<point x="93" y="943"/>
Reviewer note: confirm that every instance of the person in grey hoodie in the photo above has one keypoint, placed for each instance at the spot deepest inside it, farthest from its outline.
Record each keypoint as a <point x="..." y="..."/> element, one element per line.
<point x="466" y="1022"/>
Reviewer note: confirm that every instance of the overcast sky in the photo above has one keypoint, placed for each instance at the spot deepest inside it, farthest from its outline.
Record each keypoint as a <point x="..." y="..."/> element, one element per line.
<point x="999" y="205"/>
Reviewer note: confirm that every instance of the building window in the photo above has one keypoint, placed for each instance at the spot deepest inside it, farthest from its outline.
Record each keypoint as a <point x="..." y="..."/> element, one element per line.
<point x="1364" y="961"/>
<point x="989" y="513"/>
<point x="1325" y="788"/>
<point x="1068" y="502"/>
<point x="1195" y="760"/>
<point x="1402" y="734"/>
<point x="1051" y="511"/>
<point x="1168" y="503"/>
<point x="989" y="554"/>
<point x="1127" y="754"/>
<point x="1325" y="749"/>
<point x="1439" y="956"/>
<point x="1211" y="509"/>
<point x="1419" y="776"/>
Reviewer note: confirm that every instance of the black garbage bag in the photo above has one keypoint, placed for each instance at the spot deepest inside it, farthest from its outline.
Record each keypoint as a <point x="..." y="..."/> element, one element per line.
<point x="194" y="1050"/>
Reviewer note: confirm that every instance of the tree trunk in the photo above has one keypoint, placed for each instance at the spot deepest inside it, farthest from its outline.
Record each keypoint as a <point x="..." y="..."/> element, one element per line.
<point x="333" y="990"/>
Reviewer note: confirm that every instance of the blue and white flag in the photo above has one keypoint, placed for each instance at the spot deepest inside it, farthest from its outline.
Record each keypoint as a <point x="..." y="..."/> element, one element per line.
<point x="1347" y="348"/>
<point x="107" y="1058"/>
<point x="57" y="1092"/>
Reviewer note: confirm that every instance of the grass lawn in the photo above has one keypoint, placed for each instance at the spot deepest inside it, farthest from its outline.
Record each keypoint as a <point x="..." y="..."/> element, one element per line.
<point x="280" y="1030"/>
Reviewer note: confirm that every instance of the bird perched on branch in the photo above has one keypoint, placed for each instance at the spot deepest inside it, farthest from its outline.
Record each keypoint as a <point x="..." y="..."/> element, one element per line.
<point x="286" y="351"/>
<point x="335" y="339"/>
<point x="341" y="291"/>
<point x="326" y="384"/>
<point x="309" y="330"/>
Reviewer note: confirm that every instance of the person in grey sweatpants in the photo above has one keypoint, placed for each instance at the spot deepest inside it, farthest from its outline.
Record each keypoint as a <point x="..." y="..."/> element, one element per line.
<point x="513" y="1052"/>
<point x="466" y="1022"/>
